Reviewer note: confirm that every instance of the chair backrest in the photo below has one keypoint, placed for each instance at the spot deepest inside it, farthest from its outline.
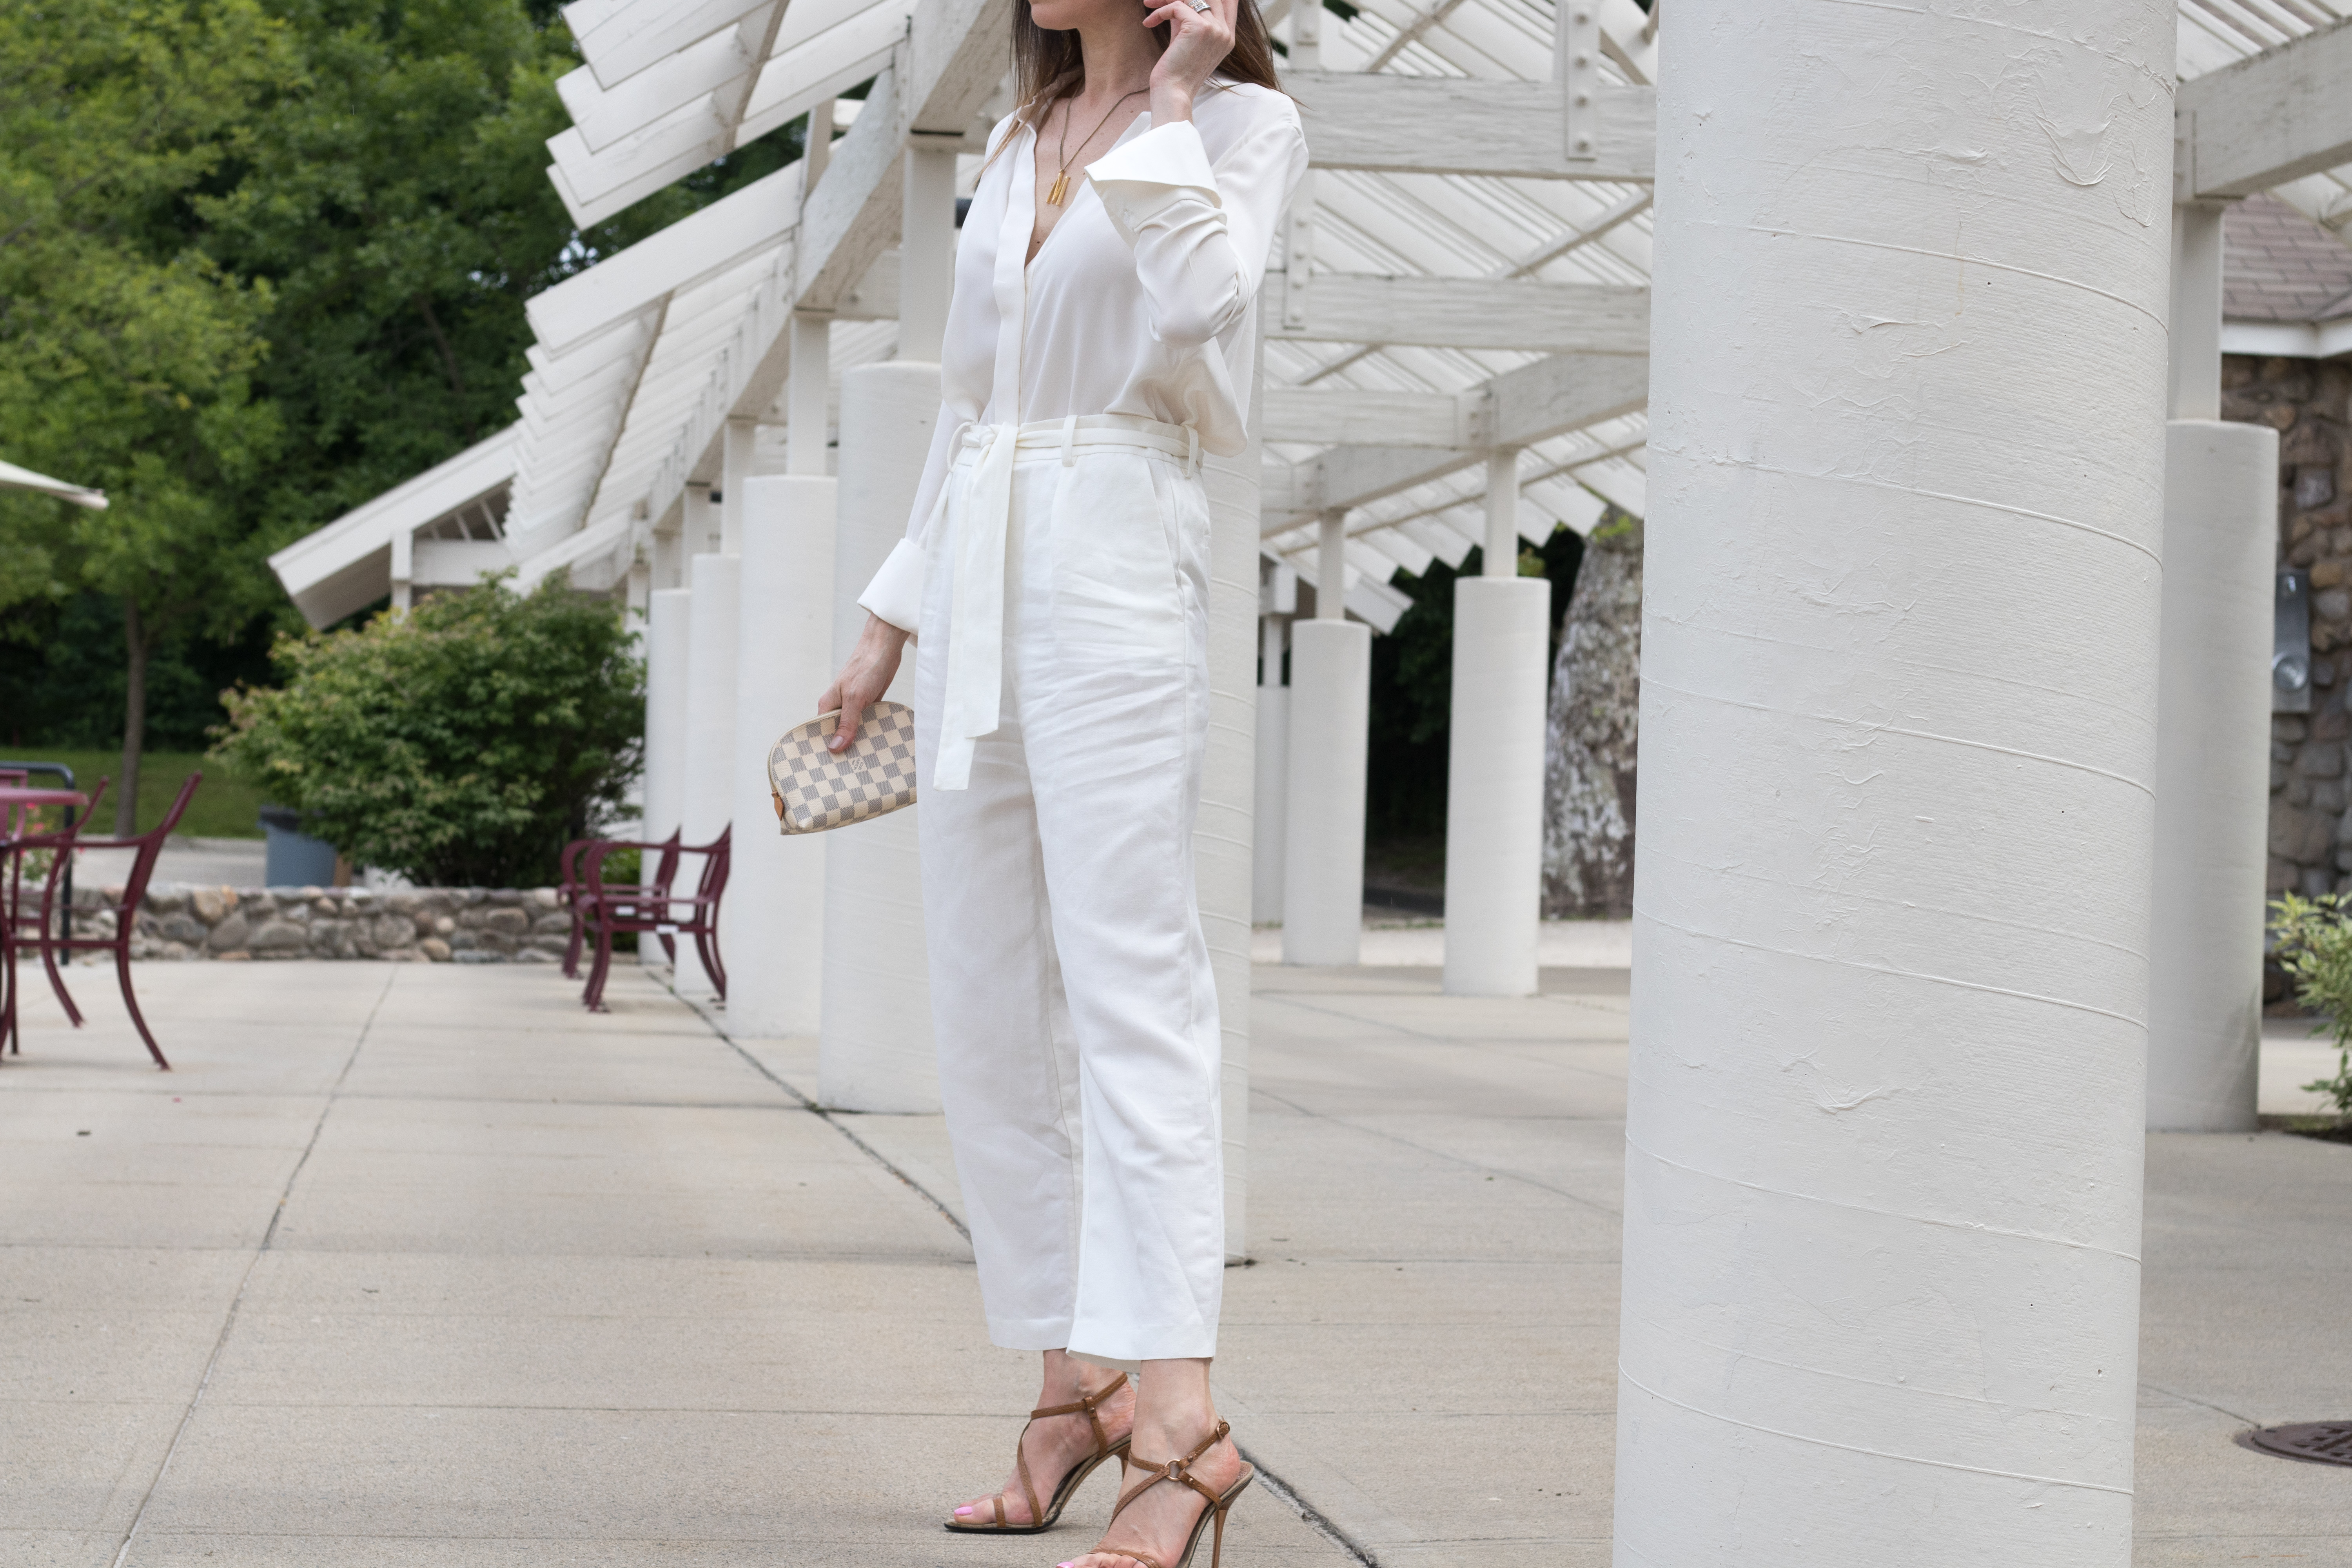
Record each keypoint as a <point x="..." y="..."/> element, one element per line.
<point x="567" y="874"/>
<point x="61" y="842"/>
<point x="665" y="869"/>
<point x="151" y="845"/>
<point x="716" y="854"/>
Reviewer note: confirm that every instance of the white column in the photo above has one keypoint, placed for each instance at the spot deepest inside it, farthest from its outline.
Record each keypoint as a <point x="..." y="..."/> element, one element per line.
<point x="740" y="437"/>
<point x="807" y="414"/>
<point x="701" y="533"/>
<point x="874" y="1047"/>
<point x="403" y="569"/>
<point x="1331" y="698"/>
<point x="1221" y="837"/>
<point x="926" y="238"/>
<point x="668" y="625"/>
<point x="2212" y="779"/>
<point x="2212" y="776"/>
<point x="2196" y="323"/>
<point x="1273" y="771"/>
<point x="1495" y="759"/>
<point x="817" y="145"/>
<point x="773" y="928"/>
<point x="707" y="800"/>
<point x="1896" y="803"/>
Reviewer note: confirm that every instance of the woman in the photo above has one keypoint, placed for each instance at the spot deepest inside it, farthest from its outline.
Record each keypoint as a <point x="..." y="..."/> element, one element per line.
<point x="1056" y="568"/>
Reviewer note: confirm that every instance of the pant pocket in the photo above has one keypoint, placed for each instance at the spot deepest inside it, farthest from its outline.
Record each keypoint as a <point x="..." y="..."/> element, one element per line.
<point x="1113" y="581"/>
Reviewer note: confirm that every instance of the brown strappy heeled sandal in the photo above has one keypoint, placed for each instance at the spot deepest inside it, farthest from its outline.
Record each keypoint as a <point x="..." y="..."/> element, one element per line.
<point x="1220" y="1503"/>
<point x="1043" y="1519"/>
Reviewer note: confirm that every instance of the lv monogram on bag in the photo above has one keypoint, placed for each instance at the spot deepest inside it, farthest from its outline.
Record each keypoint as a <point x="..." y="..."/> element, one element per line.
<point x="815" y="789"/>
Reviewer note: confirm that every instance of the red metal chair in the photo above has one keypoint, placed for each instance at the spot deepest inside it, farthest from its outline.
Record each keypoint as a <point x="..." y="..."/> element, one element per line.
<point x="573" y="889"/>
<point x="148" y="845"/>
<point x="627" y="908"/>
<point x="21" y="928"/>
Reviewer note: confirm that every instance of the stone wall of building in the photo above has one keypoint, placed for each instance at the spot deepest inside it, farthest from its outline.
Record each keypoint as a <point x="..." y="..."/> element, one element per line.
<point x="426" y="925"/>
<point x="2309" y="403"/>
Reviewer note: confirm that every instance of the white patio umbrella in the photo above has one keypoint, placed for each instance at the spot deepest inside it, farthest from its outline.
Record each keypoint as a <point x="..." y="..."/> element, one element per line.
<point x="13" y="478"/>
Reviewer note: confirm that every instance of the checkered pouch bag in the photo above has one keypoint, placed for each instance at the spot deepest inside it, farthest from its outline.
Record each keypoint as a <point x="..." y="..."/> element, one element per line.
<point x="815" y="789"/>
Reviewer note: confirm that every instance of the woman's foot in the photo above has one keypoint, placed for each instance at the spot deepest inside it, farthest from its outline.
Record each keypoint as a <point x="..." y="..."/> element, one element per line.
<point x="1052" y="1445"/>
<point x="1173" y="1415"/>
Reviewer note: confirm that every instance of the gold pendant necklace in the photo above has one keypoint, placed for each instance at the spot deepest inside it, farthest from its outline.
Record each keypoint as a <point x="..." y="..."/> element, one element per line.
<point x="1059" y="192"/>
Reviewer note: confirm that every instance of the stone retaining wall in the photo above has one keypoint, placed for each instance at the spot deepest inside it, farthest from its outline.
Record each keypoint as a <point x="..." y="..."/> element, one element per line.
<point x="426" y="925"/>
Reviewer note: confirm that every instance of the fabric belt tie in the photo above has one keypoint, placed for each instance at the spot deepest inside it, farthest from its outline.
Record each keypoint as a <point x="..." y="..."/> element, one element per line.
<point x="976" y="684"/>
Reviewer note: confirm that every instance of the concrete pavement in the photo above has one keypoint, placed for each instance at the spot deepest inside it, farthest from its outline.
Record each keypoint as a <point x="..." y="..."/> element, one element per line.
<point x="420" y="1264"/>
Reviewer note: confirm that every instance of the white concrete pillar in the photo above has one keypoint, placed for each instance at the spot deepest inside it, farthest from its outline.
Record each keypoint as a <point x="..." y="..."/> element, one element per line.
<point x="1495" y="759"/>
<point x="807" y="411"/>
<point x="737" y="447"/>
<point x="1273" y="771"/>
<point x="707" y="802"/>
<point x="875" y="1051"/>
<point x="1224" y="832"/>
<point x="2195" y="319"/>
<point x="2212" y="780"/>
<point x="2212" y="776"/>
<point x="1896" y="803"/>
<point x="926" y="238"/>
<point x="702" y="530"/>
<point x="1330" y="711"/>
<point x="816" y="146"/>
<point x="773" y="927"/>
<point x="403" y="569"/>
<point x="668" y="626"/>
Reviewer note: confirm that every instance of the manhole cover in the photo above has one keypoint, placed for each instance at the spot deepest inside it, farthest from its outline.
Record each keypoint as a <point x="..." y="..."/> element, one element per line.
<point x="2325" y="1442"/>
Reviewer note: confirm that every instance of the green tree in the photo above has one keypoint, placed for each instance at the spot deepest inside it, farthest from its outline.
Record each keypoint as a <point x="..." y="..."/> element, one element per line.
<point x="126" y="354"/>
<point x="460" y="745"/>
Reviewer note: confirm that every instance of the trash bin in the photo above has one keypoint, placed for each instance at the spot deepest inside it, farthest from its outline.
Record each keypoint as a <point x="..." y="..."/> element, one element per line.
<point x="295" y="859"/>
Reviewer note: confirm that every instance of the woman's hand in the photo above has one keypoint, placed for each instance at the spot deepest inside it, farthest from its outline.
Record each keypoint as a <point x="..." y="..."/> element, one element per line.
<point x="867" y="675"/>
<point x="1198" y="43"/>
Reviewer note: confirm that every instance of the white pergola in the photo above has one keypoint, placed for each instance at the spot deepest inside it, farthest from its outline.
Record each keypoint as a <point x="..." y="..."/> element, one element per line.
<point x="1457" y="328"/>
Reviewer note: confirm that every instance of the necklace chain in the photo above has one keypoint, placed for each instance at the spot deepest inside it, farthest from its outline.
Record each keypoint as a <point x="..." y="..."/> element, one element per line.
<point x="1060" y="192"/>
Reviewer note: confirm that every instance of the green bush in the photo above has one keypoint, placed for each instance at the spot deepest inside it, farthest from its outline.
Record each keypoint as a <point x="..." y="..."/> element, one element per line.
<point x="2315" y="947"/>
<point x="459" y="744"/>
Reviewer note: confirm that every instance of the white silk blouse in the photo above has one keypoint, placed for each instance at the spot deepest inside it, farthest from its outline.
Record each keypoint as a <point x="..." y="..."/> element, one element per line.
<point x="1142" y="300"/>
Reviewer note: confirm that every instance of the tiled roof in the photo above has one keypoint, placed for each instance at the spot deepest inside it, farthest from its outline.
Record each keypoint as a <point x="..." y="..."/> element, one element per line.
<point x="2279" y="266"/>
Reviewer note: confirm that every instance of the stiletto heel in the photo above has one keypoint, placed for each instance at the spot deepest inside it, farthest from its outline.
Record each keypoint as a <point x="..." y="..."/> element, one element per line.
<point x="1044" y="1519"/>
<point x="1179" y="1470"/>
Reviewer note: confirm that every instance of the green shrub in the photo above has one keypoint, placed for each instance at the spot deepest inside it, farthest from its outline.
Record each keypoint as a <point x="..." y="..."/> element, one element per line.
<point x="459" y="744"/>
<point x="2315" y="947"/>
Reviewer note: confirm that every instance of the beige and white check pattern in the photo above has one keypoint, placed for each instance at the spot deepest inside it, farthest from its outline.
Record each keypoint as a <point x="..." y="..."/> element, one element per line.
<point x="815" y="789"/>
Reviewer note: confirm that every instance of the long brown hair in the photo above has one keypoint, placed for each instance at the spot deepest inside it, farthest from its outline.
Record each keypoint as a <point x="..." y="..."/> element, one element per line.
<point x="1048" y="66"/>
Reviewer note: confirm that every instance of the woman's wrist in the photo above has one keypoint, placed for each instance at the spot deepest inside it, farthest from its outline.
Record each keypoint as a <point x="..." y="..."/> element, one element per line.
<point x="1171" y="104"/>
<point x="882" y="636"/>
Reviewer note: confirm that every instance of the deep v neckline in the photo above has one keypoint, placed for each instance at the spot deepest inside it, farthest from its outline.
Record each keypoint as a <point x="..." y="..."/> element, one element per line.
<point x="1085" y="187"/>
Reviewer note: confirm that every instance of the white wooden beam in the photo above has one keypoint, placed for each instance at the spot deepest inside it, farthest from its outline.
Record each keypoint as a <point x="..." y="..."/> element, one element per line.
<point x="1371" y="418"/>
<point x="1535" y="403"/>
<point x="2268" y="120"/>
<point x="1463" y="313"/>
<point x="1463" y="125"/>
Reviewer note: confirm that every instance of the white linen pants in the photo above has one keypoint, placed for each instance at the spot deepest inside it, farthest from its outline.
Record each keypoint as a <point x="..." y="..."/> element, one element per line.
<point x="1074" y="1009"/>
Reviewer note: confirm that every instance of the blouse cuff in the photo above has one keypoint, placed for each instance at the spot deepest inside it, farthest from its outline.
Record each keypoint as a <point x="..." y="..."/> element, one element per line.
<point x="896" y="594"/>
<point x="1162" y="166"/>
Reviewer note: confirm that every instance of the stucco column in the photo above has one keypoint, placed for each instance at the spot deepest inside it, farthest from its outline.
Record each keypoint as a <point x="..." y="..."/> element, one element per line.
<point x="875" y="1051"/>
<point x="2212" y="790"/>
<point x="1495" y="759"/>
<point x="1273" y="770"/>
<point x="668" y="613"/>
<point x="1331" y="696"/>
<point x="1897" y="786"/>
<point x="773" y="928"/>
<point x="707" y="802"/>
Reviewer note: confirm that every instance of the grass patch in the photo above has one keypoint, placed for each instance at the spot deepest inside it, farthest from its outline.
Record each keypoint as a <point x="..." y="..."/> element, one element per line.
<point x="224" y="807"/>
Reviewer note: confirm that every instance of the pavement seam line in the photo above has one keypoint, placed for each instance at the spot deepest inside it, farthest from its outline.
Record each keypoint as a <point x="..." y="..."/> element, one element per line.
<point x="819" y="1111"/>
<point x="245" y="1280"/>
<point x="1309" y="1515"/>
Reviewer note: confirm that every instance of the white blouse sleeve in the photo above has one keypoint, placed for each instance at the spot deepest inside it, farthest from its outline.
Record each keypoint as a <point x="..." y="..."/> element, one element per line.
<point x="1202" y="233"/>
<point x="895" y="592"/>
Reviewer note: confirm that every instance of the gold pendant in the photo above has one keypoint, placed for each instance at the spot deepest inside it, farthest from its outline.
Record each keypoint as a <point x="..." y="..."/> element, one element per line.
<point x="1060" y="191"/>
